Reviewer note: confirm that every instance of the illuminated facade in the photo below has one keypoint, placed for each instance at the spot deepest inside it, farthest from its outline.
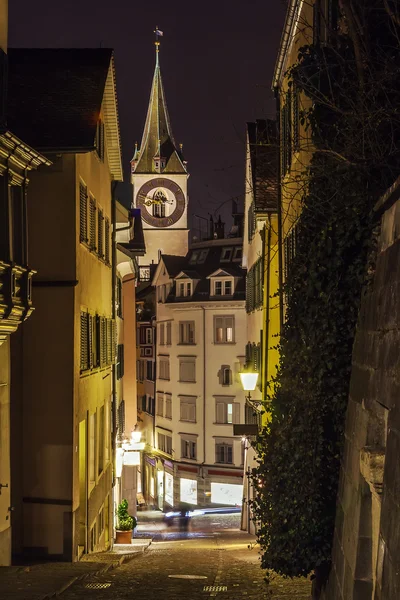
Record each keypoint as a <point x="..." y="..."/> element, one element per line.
<point x="63" y="407"/>
<point x="261" y="259"/>
<point x="201" y="329"/>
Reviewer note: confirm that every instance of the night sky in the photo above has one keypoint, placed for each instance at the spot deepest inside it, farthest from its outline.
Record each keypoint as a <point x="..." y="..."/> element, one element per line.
<point x="217" y="59"/>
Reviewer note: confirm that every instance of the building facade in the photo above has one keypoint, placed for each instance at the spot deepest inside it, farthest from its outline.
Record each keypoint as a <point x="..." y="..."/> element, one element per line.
<point x="201" y="335"/>
<point x="261" y="259"/>
<point x="128" y="246"/>
<point x="17" y="161"/>
<point x="63" y="408"/>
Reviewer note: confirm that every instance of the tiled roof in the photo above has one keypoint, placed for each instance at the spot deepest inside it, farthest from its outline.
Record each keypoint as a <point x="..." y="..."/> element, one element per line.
<point x="264" y="156"/>
<point x="158" y="139"/>
<point x="55" y="96"/>
<point x="201" y="271"/>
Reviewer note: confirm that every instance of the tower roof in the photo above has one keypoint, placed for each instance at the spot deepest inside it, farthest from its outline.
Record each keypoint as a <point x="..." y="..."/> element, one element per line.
<point x="158" y="140"/>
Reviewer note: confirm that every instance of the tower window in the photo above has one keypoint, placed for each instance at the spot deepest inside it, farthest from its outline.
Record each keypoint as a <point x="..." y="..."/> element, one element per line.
<point x="159" y="200"/>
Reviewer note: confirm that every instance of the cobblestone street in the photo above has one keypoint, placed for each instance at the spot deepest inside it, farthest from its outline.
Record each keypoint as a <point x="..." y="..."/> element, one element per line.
<point x="213" y="560"/>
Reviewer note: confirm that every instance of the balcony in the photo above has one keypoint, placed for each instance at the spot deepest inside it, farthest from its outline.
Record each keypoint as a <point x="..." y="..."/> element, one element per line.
<point x="15" y="297"/>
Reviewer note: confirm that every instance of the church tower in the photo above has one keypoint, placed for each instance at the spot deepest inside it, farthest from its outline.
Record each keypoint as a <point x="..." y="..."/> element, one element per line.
<point x="159" y="178"/>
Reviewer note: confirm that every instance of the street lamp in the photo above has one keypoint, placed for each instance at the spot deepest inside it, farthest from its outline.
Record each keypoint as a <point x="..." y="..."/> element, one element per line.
<point x="249" y="381"/>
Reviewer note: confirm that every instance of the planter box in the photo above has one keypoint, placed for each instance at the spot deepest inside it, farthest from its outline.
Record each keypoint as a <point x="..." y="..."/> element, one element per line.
<point x="123" y="537"/>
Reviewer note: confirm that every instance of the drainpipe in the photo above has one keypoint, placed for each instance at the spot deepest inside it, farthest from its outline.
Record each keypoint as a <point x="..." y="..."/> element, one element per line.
<point x="204" y="386"/>
<point x="280" y="248"/>
<point x="267" y="307"/>
<point x="113" y="367"/>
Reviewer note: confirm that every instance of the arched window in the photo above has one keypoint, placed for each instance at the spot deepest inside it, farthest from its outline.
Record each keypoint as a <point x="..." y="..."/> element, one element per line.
<point x="160" y="200"/>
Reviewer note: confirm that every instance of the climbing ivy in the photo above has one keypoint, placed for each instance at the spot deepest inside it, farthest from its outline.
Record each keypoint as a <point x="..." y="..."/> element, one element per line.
<point x="354" y="125"/>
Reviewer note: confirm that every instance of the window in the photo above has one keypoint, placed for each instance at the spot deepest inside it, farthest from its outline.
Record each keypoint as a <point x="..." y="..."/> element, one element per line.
<point x="225" y="375"/>
<point x="165" y="443"/>
<point x="203" y="255"/>
<point x="168" y="406"/>
<point x="92" y="446"/>
<point x="184" y="289"/>
<point x="161" y="334"/>
<point x="107" y="241"/>
<point x="149" y="335"/>
<point x="188" y="447"/>
<point x="224" y="330"/>
<point x="237" y="255"/>
<point x="83" y="233"/>
<point x="100" y="233"/>
<point x="120" y="361"/>
<point x="144" y="273"/>
<point x="226" y="254"/>
<point x="286" y="129"/>
<point x="168" y="326"/>
<point x="223" y="288"/>
<point x="188" y="409"/>
<point x="186" y="332"/>
<point x="119" y="297"/>
<point x="187" y="369"/>
<point x="227" y="411"/>
<point x="100" y="140"/>
<point x="289" y="247"/>
<point x="149" y="370"/>
<point x="159" y="210"/>
<point x="160" y="405"/>
<point x="296" y="117"/>
<point x="255" y="286"/>
<point x="164" y="368"/>
<point x="194" y="257"/>
<point x="84" y="341"/>
<point x="121" y="419"/>
<point x="223" y="451"/>
<point x="101" y="440"/>
<point x="228" y="288"/>
<point x="92" y="223"/>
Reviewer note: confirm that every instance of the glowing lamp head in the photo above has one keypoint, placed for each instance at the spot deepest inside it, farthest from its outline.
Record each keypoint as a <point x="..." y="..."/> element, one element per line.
<point x="249" y="381"/>
<point x="135" y="437"/>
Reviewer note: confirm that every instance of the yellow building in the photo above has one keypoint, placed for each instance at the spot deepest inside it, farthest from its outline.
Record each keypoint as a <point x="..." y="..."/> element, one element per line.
<point x="62" y="400"/>
<point x="261" y="258"/>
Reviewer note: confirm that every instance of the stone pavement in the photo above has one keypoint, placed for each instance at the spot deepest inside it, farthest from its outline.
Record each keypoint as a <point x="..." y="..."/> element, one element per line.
<point x="48" y="580"/>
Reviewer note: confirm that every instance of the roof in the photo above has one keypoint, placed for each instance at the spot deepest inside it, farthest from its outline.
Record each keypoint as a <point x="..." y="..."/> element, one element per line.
<point x="136" y="245"/>
<point x="287" y="38"/>
<point x="55" y="98"/>
<point x="158" y="140"/>
<point x="175" y="265"/>
<point x="264" y="158"/>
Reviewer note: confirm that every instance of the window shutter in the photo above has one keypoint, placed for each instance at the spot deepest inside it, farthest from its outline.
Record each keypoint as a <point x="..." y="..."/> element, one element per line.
<point x="221" y="412"/>
<point x="90" y="341"/>
<point x="83" y="213"/>
<point x="100" y="234"/>
<point x="236" y="413"/>
<point x="107" y="241"/>
<point x="92" y="223"/>
<point x="84" y="341"/>
<point x="229" y="454"/>
<point x="168" y="334"/>
<point x="162" y="335"/>
<point x="296" y="118"/>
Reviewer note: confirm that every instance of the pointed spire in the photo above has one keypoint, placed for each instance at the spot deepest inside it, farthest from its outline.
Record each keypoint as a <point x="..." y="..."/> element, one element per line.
<point x="158" y="152"/>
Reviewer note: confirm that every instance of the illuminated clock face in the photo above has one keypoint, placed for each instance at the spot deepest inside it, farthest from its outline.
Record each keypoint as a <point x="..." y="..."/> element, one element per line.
<point x="162" y="202"/>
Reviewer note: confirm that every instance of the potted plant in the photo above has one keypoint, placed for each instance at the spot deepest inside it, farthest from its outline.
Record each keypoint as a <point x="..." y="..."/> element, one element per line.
<point x="125" y="524"/>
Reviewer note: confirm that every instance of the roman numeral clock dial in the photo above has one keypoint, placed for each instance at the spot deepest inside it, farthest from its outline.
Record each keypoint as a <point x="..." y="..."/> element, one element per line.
<point x="162" y="202"/>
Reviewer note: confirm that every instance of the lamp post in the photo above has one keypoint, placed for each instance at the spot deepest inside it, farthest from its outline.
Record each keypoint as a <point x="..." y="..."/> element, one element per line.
<point x="249" y="382"/>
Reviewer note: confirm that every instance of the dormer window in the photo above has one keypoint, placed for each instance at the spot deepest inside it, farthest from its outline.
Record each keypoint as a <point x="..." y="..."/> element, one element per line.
<point x="226" y="254"/>
<point x="222" y="287"/>
<point x="237" y="255"/>
<point x="202" y="256"/>
<point x="194" y="257"/>
<point x="184" y="289"/>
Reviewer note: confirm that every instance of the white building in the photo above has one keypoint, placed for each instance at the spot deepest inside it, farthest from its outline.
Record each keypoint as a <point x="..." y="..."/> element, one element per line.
<point x="201" y="337"/>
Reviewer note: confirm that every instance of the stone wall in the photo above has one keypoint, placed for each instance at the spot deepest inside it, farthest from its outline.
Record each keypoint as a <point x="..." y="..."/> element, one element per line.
<point x="366" y="549"/>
